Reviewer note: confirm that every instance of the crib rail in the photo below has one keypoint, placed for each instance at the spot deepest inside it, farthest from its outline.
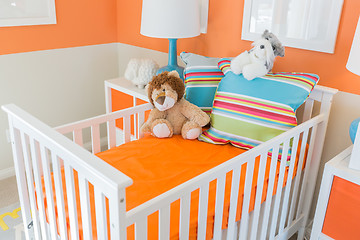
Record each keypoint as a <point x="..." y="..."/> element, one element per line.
<point x="285" y="209"/>
<point x="52" y="172"/>
<point x="77" y="128"/>
<point x="49" y="166"/>
<point x="266" y="228"/>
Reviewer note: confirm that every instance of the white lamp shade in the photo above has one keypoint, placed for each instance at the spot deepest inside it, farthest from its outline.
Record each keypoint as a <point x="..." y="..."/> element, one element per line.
<point x="170" y="18"/>
<point x="353" y="64"/>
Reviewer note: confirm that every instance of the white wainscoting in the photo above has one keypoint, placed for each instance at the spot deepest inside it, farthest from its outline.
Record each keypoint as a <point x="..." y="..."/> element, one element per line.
<point x="7" y="172"/>
<point x="57" y="86"/>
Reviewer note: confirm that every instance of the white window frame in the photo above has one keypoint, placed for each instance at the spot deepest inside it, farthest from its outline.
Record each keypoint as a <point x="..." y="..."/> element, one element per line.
<point x="327" y="45"/>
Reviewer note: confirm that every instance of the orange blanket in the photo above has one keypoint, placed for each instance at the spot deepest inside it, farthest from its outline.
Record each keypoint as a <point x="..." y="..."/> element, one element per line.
<point x="158" y="165"/>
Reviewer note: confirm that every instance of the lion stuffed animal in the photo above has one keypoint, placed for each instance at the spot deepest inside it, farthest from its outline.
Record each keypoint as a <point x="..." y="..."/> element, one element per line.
<point x="172" y="113"/>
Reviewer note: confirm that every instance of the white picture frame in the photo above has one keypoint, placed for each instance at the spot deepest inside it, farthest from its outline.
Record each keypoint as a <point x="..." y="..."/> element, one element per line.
<point x="27" y="12"/>
<point x="327" y="44"/>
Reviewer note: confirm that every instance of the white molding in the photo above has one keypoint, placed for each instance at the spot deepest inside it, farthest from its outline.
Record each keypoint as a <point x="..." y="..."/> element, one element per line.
<point x="103" y="143"/>
<point x="120" y="137"/>
<point x="7" y="172"/>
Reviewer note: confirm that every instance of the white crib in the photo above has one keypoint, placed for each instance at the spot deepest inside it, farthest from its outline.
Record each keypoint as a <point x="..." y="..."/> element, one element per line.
<point x="41" y="153"/>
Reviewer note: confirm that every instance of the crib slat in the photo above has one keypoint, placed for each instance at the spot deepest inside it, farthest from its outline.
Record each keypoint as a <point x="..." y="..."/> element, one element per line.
<point x="135" y="118"/>
<point x="95" y="138"/>
<point x="203" y="207"/>
<point x="35" y="156"/>
<point x="272" y="174"/>
<point x="141" y="229"/>
<point x="285" y="203"/>
<point x="164" y="223"/>
<point x="30" y="180"/>
<point x="184" y="217"/>
<point x="85" y="206"/>
<point x="233" y="202"/>
<point x="49" y="192"/>
<point x="219" y="206"/>
<point x="78" y="138"/>
<point x="141" y="120"/>
<point x="259" y="192"/>
<point x="244" y="223"/>
<point x="117" y="211"/>
<point x="70" y="192"/>
<point x="306" y="172"/>
<point x="127" y="129"/>
<point x="100" y="210"/>
<point x="59" y="196"/>
<point x="20" y="175"/>
<point x="280" y="182"/>
<point x="298" y="176"/>
<point x="111" y="134"/>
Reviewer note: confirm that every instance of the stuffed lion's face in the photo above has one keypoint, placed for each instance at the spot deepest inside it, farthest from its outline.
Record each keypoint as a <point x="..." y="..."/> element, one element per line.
<point x="164" y="98"/>
<point x="165" y="90"/>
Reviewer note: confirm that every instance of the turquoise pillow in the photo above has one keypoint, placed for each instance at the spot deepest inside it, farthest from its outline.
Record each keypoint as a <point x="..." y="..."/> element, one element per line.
<point x="201" y="77"/>
<point x="247" y="113"/>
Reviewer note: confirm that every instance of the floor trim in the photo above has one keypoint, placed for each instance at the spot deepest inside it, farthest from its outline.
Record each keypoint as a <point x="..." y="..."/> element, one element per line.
<point x="7" y="172"/>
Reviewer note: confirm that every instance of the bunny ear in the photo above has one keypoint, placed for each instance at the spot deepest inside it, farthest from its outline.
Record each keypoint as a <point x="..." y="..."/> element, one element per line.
<point x="279" y="51"/>
<point x="266" y="32"/>
<point x="270" y="56"/>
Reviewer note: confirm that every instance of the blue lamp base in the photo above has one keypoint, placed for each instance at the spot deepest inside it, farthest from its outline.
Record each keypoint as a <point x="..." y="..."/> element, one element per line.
<point x="353" y="129"/>
<point x="172" y="63"/>
<point x="170" y="68"/>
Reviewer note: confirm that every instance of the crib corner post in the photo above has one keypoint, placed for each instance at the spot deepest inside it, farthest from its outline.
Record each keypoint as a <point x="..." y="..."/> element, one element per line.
<point x="20" y="176"/>
<point x="315" y="159"/>
<point x="118" y="224"/>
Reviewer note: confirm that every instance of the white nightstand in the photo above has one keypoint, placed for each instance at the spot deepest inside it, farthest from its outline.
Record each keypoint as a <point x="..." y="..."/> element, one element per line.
<point x="338" y="208"/>
<point x="120" y="93"/>
<point x="124" y="86"/>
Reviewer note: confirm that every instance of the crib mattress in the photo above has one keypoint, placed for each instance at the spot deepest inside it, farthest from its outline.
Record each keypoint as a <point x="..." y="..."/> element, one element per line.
<point x="158" y="165"/>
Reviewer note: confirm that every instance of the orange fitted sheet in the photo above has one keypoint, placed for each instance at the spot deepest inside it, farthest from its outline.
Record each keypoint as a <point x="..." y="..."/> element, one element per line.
<point x="158" y="165"/>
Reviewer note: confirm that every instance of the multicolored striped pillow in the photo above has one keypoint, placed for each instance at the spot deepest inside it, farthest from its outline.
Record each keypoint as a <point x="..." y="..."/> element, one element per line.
<point x="247" y="113"/>
<point x="201" y="76"/>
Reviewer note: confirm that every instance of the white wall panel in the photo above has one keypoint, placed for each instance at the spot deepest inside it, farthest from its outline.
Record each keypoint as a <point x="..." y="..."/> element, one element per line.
<point x="57" y="86"/>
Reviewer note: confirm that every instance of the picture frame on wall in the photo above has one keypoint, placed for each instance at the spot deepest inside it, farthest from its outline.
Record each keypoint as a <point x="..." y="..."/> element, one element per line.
<point x="27" y="12"/>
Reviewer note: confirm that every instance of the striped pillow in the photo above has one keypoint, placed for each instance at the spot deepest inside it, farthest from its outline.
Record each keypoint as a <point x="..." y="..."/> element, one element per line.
<point x="201" y="76"/>
<point x="247" y="113"/>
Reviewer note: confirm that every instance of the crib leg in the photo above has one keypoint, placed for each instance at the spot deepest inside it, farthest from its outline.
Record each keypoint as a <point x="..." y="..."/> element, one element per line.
<point x="301" y="233"/>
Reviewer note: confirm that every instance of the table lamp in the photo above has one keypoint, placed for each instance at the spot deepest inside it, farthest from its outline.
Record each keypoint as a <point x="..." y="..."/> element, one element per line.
<point x="171" y="19"/>
<point x="353" y="65"/>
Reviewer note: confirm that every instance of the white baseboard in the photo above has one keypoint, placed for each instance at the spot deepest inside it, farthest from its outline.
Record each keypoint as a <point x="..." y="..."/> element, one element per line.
<point x="88" y="145"/>
<point x="120" y="137"/>
<point x="6" y="173"/>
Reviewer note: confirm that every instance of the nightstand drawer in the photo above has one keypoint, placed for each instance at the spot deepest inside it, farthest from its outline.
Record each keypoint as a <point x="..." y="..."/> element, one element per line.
<point x="342" y="218"/>
<point x="337" y="213"/>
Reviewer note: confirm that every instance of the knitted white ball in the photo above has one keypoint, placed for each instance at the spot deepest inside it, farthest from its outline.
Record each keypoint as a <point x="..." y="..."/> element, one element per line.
<point x="141" y="71"/>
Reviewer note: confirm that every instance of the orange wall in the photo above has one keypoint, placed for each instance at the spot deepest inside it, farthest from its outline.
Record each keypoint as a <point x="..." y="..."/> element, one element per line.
<point x="224" y="39"/>
<point x="88" y="22"/>
<point x="79" y="23"/>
